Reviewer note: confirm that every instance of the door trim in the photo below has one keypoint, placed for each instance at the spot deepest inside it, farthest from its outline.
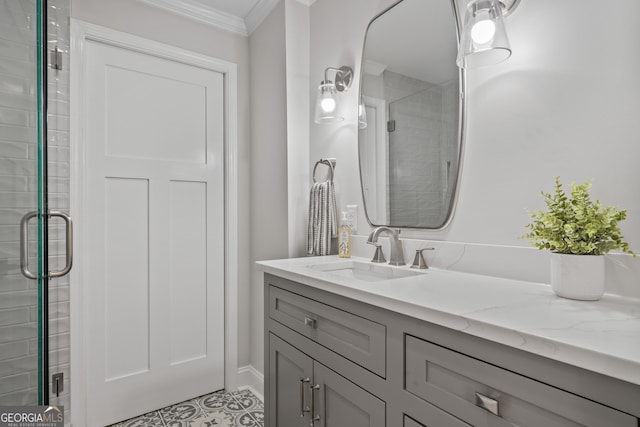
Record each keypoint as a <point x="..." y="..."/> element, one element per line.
<point x="81" y="33"/>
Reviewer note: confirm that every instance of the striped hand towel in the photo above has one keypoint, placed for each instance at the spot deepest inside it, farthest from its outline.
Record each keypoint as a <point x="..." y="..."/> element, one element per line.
<point x="323" y="218"/>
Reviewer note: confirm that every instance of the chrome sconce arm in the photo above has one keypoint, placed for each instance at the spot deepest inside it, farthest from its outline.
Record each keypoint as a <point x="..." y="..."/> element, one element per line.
<point x="343" y="79"/>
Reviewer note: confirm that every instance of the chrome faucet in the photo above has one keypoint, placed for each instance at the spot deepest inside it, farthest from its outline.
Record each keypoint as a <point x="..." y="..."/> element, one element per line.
<point x="397" y="254"/>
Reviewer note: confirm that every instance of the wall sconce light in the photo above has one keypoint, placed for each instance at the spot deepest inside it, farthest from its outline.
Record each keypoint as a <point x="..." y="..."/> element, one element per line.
<point x="484" y="39"/>
<point x="327" y="105"/>
<point x="362" y="115"/>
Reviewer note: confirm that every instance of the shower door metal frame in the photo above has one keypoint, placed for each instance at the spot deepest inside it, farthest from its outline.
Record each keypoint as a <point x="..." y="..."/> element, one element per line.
<point x="43" y="205"/>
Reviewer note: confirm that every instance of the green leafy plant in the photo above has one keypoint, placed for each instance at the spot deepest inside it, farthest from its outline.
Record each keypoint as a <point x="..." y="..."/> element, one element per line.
<point x="575" y="224"/>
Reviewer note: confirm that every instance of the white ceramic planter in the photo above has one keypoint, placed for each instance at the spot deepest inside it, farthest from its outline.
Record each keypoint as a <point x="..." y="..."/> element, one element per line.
<point x="578" y="277"/>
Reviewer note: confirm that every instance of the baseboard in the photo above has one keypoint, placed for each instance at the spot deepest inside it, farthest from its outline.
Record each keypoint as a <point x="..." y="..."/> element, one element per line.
<point x="249" y="378"/>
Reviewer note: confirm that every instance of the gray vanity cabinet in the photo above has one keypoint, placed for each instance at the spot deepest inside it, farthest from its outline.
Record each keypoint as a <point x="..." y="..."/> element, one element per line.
<point x="301" y="388"/>
<point x="359" y="365"/>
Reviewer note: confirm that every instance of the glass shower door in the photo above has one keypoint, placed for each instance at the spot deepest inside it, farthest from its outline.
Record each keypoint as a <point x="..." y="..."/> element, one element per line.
<point x="21" y="192"/>
<point x="24" y="214"/>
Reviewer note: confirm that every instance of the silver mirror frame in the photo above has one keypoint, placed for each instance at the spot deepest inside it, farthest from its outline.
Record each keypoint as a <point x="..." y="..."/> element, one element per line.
<point x="462" y="110"/>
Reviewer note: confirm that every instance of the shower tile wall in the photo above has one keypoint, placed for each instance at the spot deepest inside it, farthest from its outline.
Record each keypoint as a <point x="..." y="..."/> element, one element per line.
<point x="18" y="316"/>
<point x="450" y="111"/>
<point x="18" y="306"/>
<point x="420" y="182"/>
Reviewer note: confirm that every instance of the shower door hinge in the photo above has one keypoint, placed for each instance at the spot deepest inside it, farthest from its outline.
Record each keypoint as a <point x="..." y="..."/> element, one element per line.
<point x="57" y="383"/>
<point x="55" y="59"/>
<point x="391" y="126"/>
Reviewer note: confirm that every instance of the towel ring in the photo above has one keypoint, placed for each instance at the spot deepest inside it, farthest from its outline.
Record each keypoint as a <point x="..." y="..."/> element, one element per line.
<point x="328" y="162"/>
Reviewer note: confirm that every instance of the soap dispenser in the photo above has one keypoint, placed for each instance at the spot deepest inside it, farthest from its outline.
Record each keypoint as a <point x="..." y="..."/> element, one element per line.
<point x="344" y="237"/>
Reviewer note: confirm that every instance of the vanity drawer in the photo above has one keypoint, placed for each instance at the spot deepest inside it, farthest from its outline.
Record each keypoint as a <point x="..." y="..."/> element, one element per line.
<point x="463" y="385"/>
<point x="356" y="338"/>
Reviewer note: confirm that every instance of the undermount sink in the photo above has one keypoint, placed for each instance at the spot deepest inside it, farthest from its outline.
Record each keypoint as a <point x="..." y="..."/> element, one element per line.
<point x="365" y="271"/>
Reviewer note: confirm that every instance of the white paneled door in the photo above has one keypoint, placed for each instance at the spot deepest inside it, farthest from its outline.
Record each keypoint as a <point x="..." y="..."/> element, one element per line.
<point x="154" y="218"/>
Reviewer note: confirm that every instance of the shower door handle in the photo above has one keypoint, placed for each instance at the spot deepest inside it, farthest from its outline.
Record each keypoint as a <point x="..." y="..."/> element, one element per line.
<point x="24" y="244"/>
<point x="69" y="243"/>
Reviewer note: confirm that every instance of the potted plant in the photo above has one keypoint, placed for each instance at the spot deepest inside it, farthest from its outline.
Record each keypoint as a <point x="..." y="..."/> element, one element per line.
<point x="578" y="232"/>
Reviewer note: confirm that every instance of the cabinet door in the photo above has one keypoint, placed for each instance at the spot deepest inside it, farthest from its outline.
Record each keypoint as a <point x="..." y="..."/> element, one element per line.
<point x="341" y="403"/>
<point x="290" y="374"/>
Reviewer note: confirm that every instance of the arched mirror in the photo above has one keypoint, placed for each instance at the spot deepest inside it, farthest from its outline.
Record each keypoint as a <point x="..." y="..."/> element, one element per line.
<point x="411" y="92"/>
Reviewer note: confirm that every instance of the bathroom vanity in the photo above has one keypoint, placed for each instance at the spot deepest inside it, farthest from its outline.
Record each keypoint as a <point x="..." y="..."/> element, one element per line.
<point x="349" y="343"/>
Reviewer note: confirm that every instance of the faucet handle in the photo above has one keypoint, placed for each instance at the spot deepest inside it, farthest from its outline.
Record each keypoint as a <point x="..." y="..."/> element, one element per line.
<point x="378" y="256"/>
<point x="418" y="261"/>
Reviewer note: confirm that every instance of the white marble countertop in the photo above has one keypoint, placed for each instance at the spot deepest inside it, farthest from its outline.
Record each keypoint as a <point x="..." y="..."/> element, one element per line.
<point x="601" y="336"/>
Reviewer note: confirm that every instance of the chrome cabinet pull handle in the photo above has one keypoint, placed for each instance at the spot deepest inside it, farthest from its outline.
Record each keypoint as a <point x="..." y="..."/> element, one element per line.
<point x="314" y="417"/>
<point x="310" y="322"/>
<point x="24" y="245"/>
<point x="487" y="403"/>
<point x="69" y="243"/>
<point x="303" y="409"/>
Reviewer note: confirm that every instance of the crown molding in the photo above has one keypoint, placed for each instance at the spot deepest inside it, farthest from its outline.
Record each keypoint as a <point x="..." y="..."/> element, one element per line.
<point x="217" y="18"/>
<point x="262" y="9"/>
<point x="374" y="68"/>
<point x="207" y="15"/>
<point x="258" y="14"/>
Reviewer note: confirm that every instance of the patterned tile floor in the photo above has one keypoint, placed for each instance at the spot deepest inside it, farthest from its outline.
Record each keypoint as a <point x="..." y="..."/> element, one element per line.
<point x="220" y="409"/>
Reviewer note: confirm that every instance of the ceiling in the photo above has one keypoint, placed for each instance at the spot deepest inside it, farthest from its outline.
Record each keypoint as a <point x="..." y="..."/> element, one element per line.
<point x="237" y="16"/>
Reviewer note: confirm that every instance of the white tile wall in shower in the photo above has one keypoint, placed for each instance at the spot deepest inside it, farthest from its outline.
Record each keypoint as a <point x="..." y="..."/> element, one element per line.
<point x="18" y="295"/>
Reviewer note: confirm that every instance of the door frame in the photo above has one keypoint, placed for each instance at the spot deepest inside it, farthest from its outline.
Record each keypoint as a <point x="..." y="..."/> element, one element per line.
<point x="81" y="33"/>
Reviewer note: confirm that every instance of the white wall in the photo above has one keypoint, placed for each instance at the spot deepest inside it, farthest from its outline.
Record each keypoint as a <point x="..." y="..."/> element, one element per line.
<point x="134" y="17"/>
<point x="269" y="206"/>
<point x="279" y="56"/>
<point x="337" y="39"/>
<point x="566" y="103"/>
<point x="297" y="74"/>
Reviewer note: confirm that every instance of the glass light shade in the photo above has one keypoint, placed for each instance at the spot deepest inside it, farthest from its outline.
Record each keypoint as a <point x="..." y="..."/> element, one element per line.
<point x="362" y="115"/>
<point x="327" y="106"/>
<point x="484" y="39"/>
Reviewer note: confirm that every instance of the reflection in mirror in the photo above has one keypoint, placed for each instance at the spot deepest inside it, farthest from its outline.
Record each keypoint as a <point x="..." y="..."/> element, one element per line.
<point x="411" y="89"/>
